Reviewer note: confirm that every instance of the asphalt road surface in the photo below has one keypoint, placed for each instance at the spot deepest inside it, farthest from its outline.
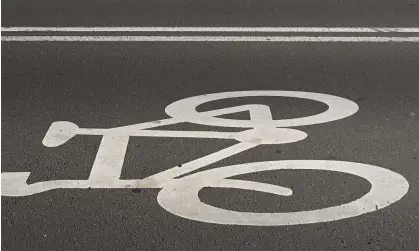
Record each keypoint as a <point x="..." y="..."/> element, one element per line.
<point x="211" y="13"/>
<point x="115" y="84"/>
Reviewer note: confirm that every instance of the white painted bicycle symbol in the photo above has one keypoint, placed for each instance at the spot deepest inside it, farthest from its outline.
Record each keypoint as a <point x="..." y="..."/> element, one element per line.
<point x="180" y="195"/>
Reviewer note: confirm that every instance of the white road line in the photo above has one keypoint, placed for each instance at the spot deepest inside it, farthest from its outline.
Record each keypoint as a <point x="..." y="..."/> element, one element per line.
<point x="204" y="39"/>
<point x="210" y="29"/>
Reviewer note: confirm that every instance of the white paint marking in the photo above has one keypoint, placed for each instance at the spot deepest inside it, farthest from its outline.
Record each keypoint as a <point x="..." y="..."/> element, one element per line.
<point x="213" y="29"/>
<point x="15" y="184"/>
<point x="204" y="39"/>
<point x="109" y="159"/>
<point x="180" y="197"/>
<point x="185" y="109"/>
<point x="146" y="125"/>
<point x="270" y="135"/>
<point x="168" y="175"/>
<point x="255" y="111"/>
<point x="60" y="132"/>
<point x="253" y="186"/>
<point x="159" y="133"/>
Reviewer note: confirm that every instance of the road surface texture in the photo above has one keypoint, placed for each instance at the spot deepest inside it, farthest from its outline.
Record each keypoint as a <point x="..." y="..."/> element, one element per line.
<point x="113" y="84"/>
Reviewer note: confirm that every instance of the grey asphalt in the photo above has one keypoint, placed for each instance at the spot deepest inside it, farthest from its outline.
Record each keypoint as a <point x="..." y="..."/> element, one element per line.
<point x="362" y="13"/>
<point x="113" y="84"/>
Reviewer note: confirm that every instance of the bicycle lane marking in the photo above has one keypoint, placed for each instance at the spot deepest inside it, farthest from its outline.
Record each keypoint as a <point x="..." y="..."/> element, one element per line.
<point x="264" y="130"/>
